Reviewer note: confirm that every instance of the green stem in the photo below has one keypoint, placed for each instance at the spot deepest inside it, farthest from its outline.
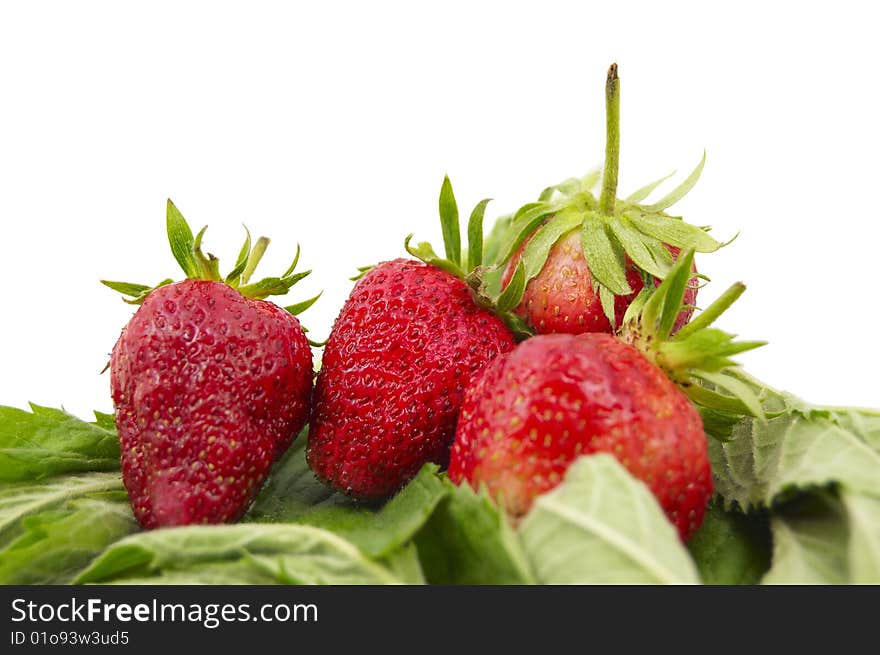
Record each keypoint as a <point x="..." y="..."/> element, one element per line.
<point x="713" y="311"/>
<point x="612" y="142"/>
<point x="254" y="259"/>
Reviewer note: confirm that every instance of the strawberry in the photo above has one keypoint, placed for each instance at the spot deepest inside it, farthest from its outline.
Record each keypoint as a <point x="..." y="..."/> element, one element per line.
<point x="556" y="397"/>
<point x="562" y="297"/>
<point x="210" y="384"/>
<point x="573" y="263"/>
<point x="407" y="343"/>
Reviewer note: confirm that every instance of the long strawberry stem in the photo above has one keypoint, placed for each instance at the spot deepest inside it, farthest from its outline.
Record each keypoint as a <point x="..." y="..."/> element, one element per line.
<point x="612" y="142"/>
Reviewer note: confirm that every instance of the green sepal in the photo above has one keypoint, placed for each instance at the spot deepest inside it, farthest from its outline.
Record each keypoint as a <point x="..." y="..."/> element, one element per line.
<point x="514" y="290"/>
<point x="616" y="234"/>
<point x="271" y="286"/>
<point x="137" y="292"/>
<point x="197" y="265"/>
<point x="234" y="276"/>
<point x="362" y="270"/>
<point x="606" y="298"/>
<point x="640" y="194"/>
<point x="449" y="222"/>
<point x="208" y="264"/>
<point x="457" y="263"/>
<point x="639" y="247"/>
<point x="697" y="357"/>
<point x="425" y="252"/>
<point x="604" y="255"/>
<point x="180" y="237"/>
<point x="678" y="192"/>
<point x="475" y="235"/>
<point x="523" y="223"/>
<point x="298" y="308"/>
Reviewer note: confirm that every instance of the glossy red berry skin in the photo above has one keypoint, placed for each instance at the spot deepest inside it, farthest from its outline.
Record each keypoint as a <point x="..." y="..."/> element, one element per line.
<point x="209" y="388"/>
<point x="405" y="346"/>
<point x="556" y="397"/>
<point x="561" y="299"/>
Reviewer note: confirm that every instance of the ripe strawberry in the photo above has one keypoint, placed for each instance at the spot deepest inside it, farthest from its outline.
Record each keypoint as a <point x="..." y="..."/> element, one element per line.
<point x="556" y="397"/>
<point x="210" y="384"/>
<point x="563" y="298"/>
<point x="403" y="349"/>
<point x="573" y="263"/>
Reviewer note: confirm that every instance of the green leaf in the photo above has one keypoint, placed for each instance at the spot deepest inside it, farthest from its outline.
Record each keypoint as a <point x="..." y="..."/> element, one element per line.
<point x="475" y="235"/>
<point x="46" y="442"/>
<point x="242" y="554"/>
<point x="673" y="231"/>
<point x="404" y="565"/>
<point x="863" y="552"/>
<point x="602" y="526"/>
<point x="468" y="540"/>
<point x="292" y="489"/>
<point x="731" y="548"/>
<point x="180" y="237"/>
<point x="678" y="192"/>
<point x="293" y="494"/>
<point x="50" y="529"/>
<point x="604" y="256"/>
<point x="809" y="542"/>
<point x="797" y="449"/>
<point x="54" y="545"/>
<point x="449" y="222"/>
<point x="380" y="531"/>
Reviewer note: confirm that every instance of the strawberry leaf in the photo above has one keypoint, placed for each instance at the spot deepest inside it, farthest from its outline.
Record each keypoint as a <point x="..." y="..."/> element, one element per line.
<point x="46" y="442"/>
<point x="731" y="548"/>
<point x="236" y="554"/>
<point x="603" y="526"/>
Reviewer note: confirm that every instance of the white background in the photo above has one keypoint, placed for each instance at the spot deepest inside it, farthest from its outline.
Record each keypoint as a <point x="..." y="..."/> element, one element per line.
<point x="332" y="125"/>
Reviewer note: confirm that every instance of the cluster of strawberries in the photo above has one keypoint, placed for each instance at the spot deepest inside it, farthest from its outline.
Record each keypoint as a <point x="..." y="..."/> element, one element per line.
<point x="568" y="332"/>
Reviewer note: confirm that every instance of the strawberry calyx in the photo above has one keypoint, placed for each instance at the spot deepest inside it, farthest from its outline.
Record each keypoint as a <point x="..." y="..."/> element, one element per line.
<point x="198" y="265"/>
<point x="697" y="357"/>
<point x="616" y="233"/>
<point x="465" y="264"/>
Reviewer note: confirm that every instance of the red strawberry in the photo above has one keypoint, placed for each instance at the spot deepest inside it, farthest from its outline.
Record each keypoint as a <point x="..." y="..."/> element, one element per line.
<point x="556" y="397"/>
<point x="405" y="346"/>
<point x="563" y="298"/>
<point x="210" y="385"/>
<point x="573" y="263"/>
<point x="559" y="396"/>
